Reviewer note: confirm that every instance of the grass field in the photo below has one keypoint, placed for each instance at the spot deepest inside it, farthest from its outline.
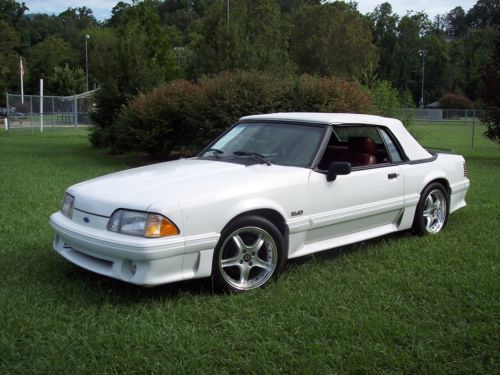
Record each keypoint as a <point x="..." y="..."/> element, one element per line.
<point x="398" y="304"/>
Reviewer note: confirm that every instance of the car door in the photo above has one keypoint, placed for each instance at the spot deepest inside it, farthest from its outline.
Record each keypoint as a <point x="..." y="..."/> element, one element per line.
<point x="365" y="203"/>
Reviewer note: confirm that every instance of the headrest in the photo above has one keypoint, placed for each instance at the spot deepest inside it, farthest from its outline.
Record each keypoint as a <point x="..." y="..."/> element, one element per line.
<point x="364" y="145"/>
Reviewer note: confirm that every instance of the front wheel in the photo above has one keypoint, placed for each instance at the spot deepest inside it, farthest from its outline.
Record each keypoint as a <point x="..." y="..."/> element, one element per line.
<point x="249" y="253"/>
<point x="432" y="210"/>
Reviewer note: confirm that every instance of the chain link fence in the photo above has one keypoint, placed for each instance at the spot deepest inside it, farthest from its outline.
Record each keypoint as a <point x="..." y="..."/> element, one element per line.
<point x="437" y="114"/>
<point x="37" y="112"/>
<point x="449" y="121"/>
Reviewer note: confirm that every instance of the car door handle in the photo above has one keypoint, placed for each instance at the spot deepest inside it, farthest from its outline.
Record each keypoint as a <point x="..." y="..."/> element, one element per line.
<point x="392" y="175"/>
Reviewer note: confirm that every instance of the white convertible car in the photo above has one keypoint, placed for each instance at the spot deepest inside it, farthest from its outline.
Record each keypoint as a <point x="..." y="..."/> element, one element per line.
<point x="271" y="188"/>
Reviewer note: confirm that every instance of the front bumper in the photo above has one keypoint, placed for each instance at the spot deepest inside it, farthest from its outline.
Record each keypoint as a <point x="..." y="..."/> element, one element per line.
<point x="137" y="260"/>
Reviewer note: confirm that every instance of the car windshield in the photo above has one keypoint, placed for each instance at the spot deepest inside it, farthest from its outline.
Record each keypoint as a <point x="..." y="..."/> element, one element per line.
<point x="273" y="143"/>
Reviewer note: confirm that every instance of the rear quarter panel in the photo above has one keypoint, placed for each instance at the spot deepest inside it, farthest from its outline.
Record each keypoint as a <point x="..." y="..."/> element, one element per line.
<point x="447" y="167"/>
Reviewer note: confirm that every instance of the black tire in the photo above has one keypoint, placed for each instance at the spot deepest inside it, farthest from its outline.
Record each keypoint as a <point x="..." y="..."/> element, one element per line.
<point x="250" y="252"/>
<point x="432" y="210"/>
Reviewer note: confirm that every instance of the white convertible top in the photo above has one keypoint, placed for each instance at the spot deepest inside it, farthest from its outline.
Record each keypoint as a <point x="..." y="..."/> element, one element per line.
<point x="412" y="148"/>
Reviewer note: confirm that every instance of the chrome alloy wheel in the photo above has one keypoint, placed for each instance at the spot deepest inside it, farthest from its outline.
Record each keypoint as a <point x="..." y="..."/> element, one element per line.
<point x="435" y="210"/>
<point x="248" y="258"/>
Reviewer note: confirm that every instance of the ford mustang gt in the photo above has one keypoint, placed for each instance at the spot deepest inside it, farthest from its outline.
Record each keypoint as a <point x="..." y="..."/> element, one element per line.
<point x="271" y="188"/>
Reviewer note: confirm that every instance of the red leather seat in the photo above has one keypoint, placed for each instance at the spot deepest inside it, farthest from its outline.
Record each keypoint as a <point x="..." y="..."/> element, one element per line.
<point x="361" y="151"/>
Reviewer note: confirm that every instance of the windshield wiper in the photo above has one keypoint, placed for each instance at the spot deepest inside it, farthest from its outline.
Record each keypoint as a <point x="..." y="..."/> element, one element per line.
<point x="255" y="155"/>
<point x="215" y="152"/>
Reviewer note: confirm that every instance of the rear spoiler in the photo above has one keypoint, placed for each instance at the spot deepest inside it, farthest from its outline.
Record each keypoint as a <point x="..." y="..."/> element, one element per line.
<point x="437" y="150"/>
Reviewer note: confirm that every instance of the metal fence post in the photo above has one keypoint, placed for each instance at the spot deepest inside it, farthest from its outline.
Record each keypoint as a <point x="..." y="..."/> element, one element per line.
<point x="31" y="112"/>
<point x="473" y="126"/>
<point x="7" y="114"/>
<point x="75" y="111"/>
<point x="41" y="105"/>
<point x="53" y="119"/>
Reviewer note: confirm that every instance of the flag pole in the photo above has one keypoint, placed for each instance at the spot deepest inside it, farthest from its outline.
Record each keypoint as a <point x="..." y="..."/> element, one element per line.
<point x="21" y="71"/>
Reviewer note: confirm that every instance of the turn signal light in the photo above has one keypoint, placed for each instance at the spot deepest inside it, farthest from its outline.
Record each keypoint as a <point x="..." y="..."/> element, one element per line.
<point x="159" y="226"/>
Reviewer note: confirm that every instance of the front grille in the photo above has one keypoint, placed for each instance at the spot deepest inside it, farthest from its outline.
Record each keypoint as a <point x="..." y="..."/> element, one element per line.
<point x="465" y="169"/>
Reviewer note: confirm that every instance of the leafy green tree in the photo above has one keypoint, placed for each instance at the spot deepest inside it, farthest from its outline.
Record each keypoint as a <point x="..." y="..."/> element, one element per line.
<point x="12" y="12"/>
<point x="490" y="93"/>
<point x="385" y="35"/>
<point x="253" y="38"/>
<point x="477" y="46"/>
<point x="125" y="61"/>
<point x="456" y="22"/>
<point x="74" y="25"/>
<point x="436" y="64"/>
<point x="9" y="59"/>
<point x="485" y="13"/>
<point x="408" y="73"/>
<point x="290" y="6"/>
<point x="386" y="98"/>
<point x="45" y="56"/>
<point x="42" y="26"/>
<point x="66" y="81"/>
<point x="331" y="39"/>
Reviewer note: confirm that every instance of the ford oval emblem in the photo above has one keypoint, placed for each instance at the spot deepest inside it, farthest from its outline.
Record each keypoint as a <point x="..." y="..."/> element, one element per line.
<point x="86" y="219"/>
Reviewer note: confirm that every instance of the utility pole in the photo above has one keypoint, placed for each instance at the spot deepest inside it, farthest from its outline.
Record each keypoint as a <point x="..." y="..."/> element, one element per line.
<point x="423" y="52"/>
<point x="87" y="37"/>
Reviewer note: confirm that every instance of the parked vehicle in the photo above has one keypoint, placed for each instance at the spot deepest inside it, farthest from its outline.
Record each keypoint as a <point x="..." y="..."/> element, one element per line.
<point x="11" y="112"/>
<point x="271" y="188"/>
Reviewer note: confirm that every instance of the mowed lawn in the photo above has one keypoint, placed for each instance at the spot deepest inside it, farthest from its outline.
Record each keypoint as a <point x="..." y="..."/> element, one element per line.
<point x="397" y="304"/>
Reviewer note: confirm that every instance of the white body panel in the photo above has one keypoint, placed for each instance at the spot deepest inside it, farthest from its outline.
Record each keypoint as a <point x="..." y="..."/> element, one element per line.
<point x="202" y="196"/>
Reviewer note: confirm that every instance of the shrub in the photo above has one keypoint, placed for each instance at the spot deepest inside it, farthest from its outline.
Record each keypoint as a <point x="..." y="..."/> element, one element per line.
<point x="160" y="122"/>
<point x="455" y="101"/>
<point x="180" y="117"/>
<point x="386" y="99"/>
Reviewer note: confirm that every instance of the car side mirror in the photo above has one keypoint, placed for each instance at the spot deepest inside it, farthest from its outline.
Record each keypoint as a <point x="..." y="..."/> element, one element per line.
<point x="338" y="168"/>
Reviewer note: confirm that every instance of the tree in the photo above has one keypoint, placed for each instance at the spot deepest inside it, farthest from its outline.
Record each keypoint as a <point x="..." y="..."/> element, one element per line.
<point x="477" y="45"/>
<point x="485" y="13"/>
<point x="127" y="60"/>
<point x="66" y="81"/>
<point x="456" y="21"/>
<point x="12" y="12"/>
<point x="331" y="39"/>
<point x="490" y="93"/>
<point x="42" y="26"/>
<point x="436" y="63"/>
<point x="45" y="56"/>
<point x="9" y="59"/>
<point x="254" y="39"/>
<point x="454" y="101"/>
<point x="290" y="6"/>
<point x="408" y="74"/>
<point x="385" y="37"/>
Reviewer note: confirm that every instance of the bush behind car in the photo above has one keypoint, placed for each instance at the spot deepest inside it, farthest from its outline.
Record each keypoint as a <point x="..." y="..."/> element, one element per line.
<point x="180" y="117"/>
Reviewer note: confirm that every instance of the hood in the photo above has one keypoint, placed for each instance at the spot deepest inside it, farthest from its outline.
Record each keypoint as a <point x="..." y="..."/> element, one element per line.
<point x="174" y="182"/>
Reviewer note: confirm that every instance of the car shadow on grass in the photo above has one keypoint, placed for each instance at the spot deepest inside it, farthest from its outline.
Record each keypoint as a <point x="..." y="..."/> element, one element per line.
<point x="103" y="289"/>
<point x="121" y="290"/>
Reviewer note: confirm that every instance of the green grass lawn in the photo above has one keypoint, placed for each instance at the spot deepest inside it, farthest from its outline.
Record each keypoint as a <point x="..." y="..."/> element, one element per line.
<point x="397" y="304"/>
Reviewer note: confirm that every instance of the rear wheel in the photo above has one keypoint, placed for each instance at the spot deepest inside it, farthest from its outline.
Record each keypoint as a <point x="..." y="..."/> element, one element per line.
<point x="249" y="254"/>
<point x="432" y="210"/>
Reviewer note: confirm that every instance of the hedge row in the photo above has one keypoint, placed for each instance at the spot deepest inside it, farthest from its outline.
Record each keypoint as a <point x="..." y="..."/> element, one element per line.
<point x="180" y="117"/>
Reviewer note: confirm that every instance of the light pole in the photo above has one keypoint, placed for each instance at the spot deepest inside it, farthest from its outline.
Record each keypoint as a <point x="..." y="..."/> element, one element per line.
<point x="423" y="52"/>
<point x="87" y="37"/>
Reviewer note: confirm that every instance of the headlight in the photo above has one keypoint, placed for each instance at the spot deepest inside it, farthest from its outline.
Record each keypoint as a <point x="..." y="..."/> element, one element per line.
<point x="67" y="205"/>
<point x="136" y="223"/>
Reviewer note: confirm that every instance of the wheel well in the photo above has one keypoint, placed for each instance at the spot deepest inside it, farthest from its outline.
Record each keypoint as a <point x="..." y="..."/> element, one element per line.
<point x="443" y="182"/>
<point x="271" y="215"/>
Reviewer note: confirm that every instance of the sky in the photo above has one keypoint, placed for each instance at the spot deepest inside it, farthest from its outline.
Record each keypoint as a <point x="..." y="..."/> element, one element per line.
<point x="102" y="8"/>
